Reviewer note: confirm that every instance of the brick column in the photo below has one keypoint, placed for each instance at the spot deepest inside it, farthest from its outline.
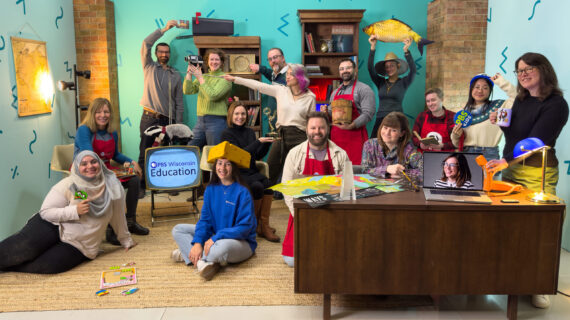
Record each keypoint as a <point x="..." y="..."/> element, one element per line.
<point x="459" y="29"/>
<point x="96" y="51"/>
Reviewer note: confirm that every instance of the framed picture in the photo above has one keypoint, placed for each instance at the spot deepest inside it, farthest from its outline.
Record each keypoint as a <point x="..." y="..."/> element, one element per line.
<point x="239" y="63"/>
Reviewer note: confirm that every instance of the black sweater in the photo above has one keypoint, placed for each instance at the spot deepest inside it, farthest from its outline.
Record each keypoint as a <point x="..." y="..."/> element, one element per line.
<point x="245" y="138"/>
<point x="540" y="119"/>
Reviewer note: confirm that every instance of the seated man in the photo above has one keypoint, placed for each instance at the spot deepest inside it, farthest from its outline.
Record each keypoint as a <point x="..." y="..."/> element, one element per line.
<point x="316" y="156"/>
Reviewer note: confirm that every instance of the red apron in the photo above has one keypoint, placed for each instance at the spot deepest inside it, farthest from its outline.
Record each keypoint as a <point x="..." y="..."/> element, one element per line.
<point x="439" y="128"/>
<point x="312" y="167"/>
<point x="350" y="141"/>
<point x="106" y="151"/>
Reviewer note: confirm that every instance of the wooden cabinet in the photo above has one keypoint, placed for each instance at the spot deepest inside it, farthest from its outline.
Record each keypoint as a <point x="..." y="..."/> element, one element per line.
<point x="238" y="50"/>
<point x="323" y="25"/>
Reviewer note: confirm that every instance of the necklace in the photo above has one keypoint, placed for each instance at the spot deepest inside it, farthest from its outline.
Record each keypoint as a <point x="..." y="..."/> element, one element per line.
<point x="389" y="85"/>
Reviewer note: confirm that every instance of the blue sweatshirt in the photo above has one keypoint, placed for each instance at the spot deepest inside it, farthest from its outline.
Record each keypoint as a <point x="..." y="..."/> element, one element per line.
<point x="227" y="213"/>
<point x="84" y="141"/>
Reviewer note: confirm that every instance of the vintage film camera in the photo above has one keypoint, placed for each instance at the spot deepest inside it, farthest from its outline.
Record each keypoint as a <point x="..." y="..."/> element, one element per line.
<point x="194" y="60"/>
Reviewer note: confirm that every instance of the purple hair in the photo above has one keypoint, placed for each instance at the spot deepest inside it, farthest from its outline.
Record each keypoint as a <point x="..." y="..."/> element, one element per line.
<point x="301" y="75"/>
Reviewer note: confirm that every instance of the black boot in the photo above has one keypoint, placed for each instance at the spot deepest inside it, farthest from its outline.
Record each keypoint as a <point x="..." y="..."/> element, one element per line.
<point x="136" y="228"/>
<point x="111" y="237"/>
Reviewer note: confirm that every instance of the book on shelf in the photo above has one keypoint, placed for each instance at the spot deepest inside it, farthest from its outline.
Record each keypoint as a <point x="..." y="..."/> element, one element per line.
<point x="311" y="43"/>
<point x="312" y="68"/>
<point x="253" y="115"/>
<point x="307" y="41"/>
<point x="315" y="74"/>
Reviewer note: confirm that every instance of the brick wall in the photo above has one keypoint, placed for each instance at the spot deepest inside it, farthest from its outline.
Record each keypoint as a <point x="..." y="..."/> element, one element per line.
<point x="96" y="51"/>
<point x="459" y="29"/>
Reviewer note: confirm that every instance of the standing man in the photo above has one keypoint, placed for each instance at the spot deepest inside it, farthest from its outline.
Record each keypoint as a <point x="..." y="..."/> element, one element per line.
<point x="276" y="74"/>
<point x="162" y="94"/>
<point x="316" y="156"/>
<point x="351" y="136"/>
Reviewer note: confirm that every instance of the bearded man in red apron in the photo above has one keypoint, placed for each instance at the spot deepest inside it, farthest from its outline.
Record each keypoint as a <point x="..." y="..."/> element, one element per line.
<point x="316" y="156"/>
<point x="351" y="135"/>
<point x="436" y="122"/>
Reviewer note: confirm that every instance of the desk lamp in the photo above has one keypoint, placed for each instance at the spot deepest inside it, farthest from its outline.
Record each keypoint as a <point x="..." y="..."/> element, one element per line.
<point x="524" y="149"/>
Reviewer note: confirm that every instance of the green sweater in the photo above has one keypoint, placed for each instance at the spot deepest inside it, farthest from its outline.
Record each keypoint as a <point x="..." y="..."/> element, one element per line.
<point x="212" y="95"/>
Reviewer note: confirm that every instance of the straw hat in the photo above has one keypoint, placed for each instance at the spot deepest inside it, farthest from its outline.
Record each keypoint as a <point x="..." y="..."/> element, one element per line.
<point x="391" y="56"/>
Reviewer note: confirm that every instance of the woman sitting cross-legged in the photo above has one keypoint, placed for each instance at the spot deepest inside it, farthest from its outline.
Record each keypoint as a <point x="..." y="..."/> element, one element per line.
<point x="226" y="229"/>
<point x="71" y="222"/>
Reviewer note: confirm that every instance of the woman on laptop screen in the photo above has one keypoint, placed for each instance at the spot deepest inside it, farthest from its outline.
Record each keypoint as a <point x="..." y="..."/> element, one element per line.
<point x="455" y="173"/>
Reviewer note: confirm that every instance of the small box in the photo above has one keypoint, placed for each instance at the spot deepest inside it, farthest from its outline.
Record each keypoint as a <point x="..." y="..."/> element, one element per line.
<point x="228" y="151"/>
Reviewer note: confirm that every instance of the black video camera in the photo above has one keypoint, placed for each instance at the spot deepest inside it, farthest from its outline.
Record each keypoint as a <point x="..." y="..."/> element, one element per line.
<point x="194" y="60"/>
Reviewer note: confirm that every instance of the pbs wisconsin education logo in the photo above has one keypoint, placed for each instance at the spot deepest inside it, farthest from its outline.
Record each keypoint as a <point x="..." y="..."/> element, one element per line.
<point x="153" y="165"/>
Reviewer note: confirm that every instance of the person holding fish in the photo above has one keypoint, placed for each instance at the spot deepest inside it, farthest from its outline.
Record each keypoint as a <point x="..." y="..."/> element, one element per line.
<point x="385" y="74"/>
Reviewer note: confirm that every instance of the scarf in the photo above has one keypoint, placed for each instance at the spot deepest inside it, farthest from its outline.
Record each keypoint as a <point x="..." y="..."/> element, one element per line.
<point x="100" y="189"/>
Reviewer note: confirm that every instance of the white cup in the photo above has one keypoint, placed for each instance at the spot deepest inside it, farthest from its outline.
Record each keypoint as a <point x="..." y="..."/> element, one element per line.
<point x="504" y="117"/>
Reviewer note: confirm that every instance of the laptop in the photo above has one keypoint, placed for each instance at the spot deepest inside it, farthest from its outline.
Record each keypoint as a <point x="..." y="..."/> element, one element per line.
<point x="468" y="184"/>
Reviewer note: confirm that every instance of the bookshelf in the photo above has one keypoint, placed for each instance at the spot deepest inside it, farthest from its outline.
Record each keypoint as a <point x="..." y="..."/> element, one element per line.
<point x="317" y="26"/>
<point x="239" y="47"/>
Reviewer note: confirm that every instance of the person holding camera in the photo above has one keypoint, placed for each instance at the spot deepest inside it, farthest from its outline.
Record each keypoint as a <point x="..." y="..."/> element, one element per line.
<point x="162" y="94"/>
<point x="213" y="92"/>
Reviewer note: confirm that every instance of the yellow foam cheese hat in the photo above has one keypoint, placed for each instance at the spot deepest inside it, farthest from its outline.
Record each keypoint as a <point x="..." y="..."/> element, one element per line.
<point x="231" y="152"/>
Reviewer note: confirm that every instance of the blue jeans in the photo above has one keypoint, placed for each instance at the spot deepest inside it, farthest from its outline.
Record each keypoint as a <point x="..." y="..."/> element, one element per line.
<point x="488" y="152"/>
<point x="208" y="131"/>
<point x="222" y="251"/>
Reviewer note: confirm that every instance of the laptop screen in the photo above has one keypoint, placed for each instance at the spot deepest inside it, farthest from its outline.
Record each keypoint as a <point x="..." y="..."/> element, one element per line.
<point x="452" y="170"/>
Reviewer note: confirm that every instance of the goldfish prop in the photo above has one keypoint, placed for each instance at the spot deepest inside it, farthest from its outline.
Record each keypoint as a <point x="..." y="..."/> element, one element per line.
<point x="394" y="30"/>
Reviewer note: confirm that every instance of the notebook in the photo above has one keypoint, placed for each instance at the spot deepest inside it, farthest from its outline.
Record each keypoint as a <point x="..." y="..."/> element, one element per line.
<point x="439" y="187"/>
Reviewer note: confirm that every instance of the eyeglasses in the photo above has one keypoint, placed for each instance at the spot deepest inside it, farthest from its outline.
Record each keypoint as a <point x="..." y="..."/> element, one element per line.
<point x="452" y="165"/>
<point x="275" y="57"/>
<point x="526" y="70"/>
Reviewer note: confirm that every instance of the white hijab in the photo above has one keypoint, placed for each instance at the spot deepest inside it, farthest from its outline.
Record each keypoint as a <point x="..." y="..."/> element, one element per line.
<point x="100" y="189"/>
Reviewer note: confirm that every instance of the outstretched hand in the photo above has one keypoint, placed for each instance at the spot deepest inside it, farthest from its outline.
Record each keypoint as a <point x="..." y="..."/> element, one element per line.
<point x="169" y="25"/>
<point x="229" y="77"/>
<point x="373" y="40"/>
<point x="407" y="43"/>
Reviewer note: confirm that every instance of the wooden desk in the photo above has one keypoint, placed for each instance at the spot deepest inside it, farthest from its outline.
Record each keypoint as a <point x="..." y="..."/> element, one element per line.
<point x="401" y="244"/>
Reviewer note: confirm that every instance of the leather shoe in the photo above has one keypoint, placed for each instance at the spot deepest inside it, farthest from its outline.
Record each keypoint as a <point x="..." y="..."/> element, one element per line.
<point x="111" y="237"/>
<point x="136" y="228"/>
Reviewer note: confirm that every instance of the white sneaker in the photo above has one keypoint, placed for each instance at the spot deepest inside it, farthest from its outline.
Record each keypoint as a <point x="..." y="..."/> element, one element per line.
<point x="201" y="264"/>
<point x="540" y="301"/>
<point x="207" y="270"/>
<point x="176" y="255"/>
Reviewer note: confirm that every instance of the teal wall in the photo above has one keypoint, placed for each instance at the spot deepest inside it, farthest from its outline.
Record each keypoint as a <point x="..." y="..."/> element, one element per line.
<point x="277" y="24"/>
<point x="27" y="142"/>
<point x="518" y="26"/>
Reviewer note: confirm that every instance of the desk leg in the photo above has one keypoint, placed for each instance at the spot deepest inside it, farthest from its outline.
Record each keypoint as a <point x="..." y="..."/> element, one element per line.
<point x="512" y="307"/>
<point x="327" y="307"/>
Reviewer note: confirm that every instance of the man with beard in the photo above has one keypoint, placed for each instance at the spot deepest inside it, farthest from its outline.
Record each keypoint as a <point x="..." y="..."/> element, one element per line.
<point x="276" y="74"/>
<point x="162" y="94"/>
<point x="316" y="156"/>
<point x="351" y="136"/>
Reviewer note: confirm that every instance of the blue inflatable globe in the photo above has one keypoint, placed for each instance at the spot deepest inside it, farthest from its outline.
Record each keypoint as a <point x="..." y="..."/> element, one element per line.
<point x="526" y="145"/>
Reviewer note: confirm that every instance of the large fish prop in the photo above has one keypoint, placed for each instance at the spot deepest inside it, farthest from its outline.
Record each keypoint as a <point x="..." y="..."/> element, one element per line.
<point x="394" y="30"/>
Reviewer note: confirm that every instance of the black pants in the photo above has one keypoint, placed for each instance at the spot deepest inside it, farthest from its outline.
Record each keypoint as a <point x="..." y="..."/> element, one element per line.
<point x="290" y="136"/>
<point x="257" y="184"/>
<point x="37" y="249"/>
<point x="146" y="141"/>
<point x="132" y="197"/>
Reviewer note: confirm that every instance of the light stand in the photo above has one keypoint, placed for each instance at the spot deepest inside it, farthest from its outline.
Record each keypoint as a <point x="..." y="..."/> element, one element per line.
<point x="63" y="85"/>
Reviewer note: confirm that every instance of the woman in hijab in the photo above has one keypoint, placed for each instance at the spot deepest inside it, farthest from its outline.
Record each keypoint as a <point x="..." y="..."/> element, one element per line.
<point x="71" y="223"/>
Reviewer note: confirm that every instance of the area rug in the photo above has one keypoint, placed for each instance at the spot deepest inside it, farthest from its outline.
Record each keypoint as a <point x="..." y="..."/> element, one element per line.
<point x="263" y="280"/>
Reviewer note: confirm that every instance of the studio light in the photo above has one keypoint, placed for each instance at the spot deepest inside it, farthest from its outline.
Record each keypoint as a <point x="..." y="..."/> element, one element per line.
<point x="65" y="85"/>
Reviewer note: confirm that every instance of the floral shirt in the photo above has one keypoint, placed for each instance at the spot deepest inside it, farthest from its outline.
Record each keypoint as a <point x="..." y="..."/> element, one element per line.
<point x="375" y="162"/>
